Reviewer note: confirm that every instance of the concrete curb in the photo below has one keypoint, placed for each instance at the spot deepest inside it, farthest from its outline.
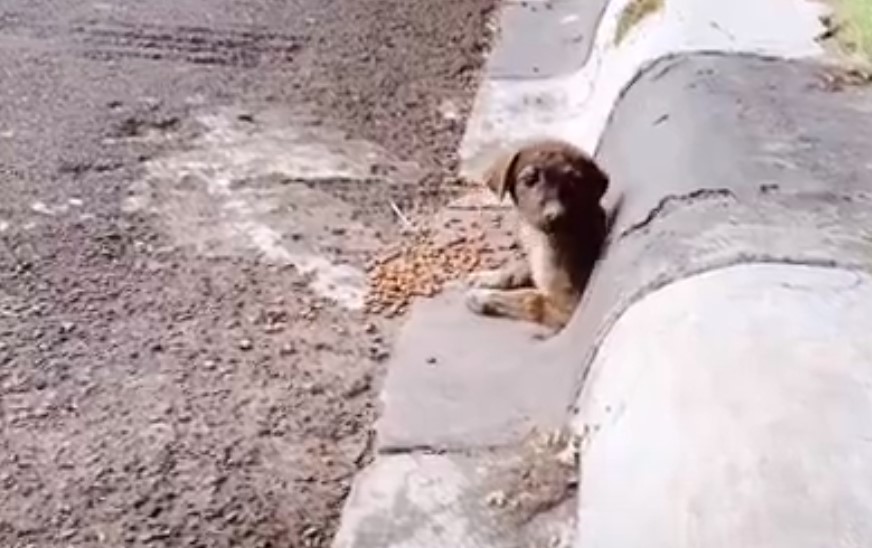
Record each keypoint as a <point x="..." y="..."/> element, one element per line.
<point x="418" y="499"/>
<point x="732" y="409"/>
<point x="745" y="230"/>
<point x="789" y="181"/>
<point x="576" y="105"/>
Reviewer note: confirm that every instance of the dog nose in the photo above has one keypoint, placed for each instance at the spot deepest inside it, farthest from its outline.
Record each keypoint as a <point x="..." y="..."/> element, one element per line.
<point x="552" y="214"/>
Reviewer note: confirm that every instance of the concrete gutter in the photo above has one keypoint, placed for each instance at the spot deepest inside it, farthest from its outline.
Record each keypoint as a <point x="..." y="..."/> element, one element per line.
<point x="747" y="192"/>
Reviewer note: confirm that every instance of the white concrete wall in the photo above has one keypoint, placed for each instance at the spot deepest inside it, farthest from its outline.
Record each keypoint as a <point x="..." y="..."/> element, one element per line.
<point x="733" y="409"/>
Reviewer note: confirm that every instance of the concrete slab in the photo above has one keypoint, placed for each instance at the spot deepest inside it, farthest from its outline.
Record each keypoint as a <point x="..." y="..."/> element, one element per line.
<point x="417" y="501"/>
<point x="737" y="123"/>
<point x="733" y="409"/>
<point x="457" y="380"/>
<point x="544" y="39"/>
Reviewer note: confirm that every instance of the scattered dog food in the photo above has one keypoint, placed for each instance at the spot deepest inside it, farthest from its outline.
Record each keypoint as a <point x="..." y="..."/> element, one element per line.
<point x="421" y="268"/>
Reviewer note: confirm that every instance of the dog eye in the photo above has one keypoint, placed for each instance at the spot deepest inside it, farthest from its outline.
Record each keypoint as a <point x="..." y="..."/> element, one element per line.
<point x="569" y="172"/>
<point x="529" y="176"/>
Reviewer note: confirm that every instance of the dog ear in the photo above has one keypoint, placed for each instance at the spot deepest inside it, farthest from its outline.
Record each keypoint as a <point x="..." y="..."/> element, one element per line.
<point x="500" y="177"/>
<point x="596" y="181"/>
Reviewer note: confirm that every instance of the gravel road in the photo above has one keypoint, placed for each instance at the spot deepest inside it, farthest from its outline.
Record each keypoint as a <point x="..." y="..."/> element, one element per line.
<point x="188" y="192"/>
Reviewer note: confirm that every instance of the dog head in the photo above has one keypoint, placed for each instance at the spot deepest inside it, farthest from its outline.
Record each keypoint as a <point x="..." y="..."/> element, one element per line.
<point x="549" y="181"/>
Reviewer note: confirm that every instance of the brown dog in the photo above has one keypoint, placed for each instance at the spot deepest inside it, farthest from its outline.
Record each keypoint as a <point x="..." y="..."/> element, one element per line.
<point x="556" y="189"/>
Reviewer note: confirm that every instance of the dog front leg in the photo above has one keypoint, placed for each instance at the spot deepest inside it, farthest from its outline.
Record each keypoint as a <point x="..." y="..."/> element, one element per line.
<point x="514" y="275"/>
<point x="519" y="304"/>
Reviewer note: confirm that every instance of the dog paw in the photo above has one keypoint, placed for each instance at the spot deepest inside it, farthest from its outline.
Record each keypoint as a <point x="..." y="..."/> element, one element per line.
<point x="479" y="301"/>
<point x="543" y="334"/>
<point x="492" y="279"/>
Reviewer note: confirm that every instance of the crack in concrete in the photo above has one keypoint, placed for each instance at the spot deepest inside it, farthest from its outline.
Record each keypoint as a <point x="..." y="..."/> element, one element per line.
<point x="431" y="449"/>
<point x="662" y="206"/>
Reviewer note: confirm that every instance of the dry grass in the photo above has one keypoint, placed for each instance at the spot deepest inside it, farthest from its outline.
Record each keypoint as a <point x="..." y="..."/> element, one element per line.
<point x="854" y="22"/>
<point x="634" y="12"/>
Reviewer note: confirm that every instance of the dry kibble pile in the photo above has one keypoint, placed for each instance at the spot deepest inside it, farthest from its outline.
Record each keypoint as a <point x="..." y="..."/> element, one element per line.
<point x="421" y="269"/>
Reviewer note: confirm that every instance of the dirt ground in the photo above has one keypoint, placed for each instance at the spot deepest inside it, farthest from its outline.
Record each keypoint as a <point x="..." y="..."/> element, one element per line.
<point x="170" y="375"/>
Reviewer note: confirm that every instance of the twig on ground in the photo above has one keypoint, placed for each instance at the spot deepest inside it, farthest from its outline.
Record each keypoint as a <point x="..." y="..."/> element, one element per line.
<point x="403" y="219"/>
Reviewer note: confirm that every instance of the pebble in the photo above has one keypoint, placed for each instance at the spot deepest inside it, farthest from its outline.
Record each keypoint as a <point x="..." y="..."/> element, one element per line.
<point x="246" y="344"/>
<point x="312" y="388"/>
<point x="358" y="387"/>
<point x="378" y="353"/>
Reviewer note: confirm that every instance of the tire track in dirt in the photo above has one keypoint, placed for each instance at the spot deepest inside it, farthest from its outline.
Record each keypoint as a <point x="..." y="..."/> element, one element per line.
<point x="116" y="40"/>
<point x="198" y="45"/>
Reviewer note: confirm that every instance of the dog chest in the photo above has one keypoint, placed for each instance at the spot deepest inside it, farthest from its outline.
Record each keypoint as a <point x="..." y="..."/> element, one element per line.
<point x="549" y="275"/>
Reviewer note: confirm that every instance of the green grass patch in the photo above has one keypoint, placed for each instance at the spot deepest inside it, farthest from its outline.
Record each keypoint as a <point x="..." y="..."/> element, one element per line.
<point x="854" y="21"/>
<point x="637" y="10"/>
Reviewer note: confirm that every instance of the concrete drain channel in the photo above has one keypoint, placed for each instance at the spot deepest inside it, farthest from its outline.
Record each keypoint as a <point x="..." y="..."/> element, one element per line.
<point x="713" y="387"/>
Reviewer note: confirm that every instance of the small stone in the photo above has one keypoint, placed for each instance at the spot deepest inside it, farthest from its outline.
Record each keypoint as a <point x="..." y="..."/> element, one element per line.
<point x="358" y="387"/>
<point x="287" y="349"/>
<point x="311" y="536"/>
<point x="246" y="344"/>
<point x="497" y="499"/>
<point x="374" y="351"/>
<point x="431" y="360"/>
<point x="313" y="388"/>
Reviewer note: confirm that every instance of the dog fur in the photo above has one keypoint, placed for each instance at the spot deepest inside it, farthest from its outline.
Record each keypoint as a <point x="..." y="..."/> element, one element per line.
<point x="556" y="189"/>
